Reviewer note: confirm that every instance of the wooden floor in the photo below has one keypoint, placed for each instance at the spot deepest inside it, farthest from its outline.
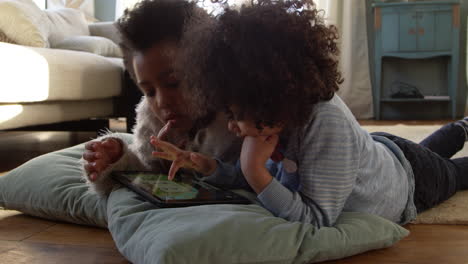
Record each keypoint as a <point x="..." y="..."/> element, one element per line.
<point x="426" y="244"/>
<point x="25" y="239"/>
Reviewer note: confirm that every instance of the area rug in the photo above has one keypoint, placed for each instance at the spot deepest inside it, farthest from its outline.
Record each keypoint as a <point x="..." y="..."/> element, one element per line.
<point x="453" y="211"/>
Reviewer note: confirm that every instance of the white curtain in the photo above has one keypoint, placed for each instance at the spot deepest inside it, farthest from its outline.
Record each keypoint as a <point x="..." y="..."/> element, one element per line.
<point x="87" y="6"/>
<point x="350" y="18"/>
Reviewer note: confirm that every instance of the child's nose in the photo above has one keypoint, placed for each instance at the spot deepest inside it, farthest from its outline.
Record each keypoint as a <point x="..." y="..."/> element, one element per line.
<point x="165" y="98"/>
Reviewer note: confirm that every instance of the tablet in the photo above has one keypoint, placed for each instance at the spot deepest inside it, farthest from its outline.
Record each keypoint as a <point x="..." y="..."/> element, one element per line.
<point x="185" y="190"/>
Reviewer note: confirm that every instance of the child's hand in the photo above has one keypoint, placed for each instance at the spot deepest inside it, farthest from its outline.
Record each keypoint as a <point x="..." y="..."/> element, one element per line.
<point x="182" y="159"/>
<point x="100" y="154"/>
<point x="172" y="134"/>
<point x="256" y="151"/>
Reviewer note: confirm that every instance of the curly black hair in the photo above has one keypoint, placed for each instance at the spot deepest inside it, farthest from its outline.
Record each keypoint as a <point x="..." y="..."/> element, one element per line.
<point x="274" y="60"/>
<point x="150" y="22"/>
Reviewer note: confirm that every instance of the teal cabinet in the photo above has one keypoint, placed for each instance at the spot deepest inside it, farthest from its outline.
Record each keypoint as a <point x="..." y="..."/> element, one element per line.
<point x="412" y="36"/>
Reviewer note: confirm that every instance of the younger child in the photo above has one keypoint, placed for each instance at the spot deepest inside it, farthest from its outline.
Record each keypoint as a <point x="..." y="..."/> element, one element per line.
<point x="273" y="66"/>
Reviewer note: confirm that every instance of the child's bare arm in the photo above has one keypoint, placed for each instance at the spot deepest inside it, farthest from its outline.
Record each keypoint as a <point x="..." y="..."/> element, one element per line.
<point x="254" y="155"/>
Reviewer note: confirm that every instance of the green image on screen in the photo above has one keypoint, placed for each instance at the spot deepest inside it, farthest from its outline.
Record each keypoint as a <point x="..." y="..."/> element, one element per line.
<point x="159" y="185"/>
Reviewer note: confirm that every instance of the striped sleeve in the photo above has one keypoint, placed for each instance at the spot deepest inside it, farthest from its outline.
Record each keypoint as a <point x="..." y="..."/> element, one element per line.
<point x="328" y="162"/>
<point x="228" y="176"/>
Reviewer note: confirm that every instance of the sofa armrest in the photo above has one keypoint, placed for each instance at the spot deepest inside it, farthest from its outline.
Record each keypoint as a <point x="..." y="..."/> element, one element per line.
<point x="56" y="75"/>
<point x="106" y="30"/>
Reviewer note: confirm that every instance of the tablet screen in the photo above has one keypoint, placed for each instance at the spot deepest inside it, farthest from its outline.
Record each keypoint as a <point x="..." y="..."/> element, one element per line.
<point x="181" y="188"/>
<point x="184" y="189"/>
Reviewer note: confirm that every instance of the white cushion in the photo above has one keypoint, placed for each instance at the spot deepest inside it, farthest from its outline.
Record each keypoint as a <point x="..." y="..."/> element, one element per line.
<point x="42" y="74"/>
<point x="97" y="45"/>
<point x="65" y="23"/>
<point x="86" y="6"/>
<point x="105" y="29"/>
<point x="24" y="23"/>
<point x="5" y="38"/>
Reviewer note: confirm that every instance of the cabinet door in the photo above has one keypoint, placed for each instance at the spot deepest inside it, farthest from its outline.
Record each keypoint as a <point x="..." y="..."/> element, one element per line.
<point x="390" y="32"/>
<point x="443" y="30"/>
<point x="408" y="30"/>
<point x="425" y="30"/>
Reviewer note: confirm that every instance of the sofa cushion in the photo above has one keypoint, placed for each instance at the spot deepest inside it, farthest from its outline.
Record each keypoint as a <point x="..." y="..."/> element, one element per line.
<point x="41" y="74"/>
<point x="65" y="23"/>
<point x="97" y="45"/>
<point x="106" y="30"/>
<point x="24" y="23"/>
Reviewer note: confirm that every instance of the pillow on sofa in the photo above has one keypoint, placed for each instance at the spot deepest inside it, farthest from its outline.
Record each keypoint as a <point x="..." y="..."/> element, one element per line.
<point x="4" y="38"/>
<point x="65" y="23"/>
<point x="97" y="45"/>
<point x="24" y="23"/>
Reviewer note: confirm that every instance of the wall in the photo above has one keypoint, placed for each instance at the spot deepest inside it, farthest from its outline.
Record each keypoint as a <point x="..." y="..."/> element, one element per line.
<point x="104" y="10"/>
<point x="462" y="91"/>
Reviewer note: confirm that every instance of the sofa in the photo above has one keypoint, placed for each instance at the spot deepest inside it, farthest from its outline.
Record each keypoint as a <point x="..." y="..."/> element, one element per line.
<point x="56" y="67"/>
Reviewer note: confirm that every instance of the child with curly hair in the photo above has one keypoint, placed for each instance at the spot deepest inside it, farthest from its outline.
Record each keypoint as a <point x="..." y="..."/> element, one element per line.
<point x="273" y="65"/>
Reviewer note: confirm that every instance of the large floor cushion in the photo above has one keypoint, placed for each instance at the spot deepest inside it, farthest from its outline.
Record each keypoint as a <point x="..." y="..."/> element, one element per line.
<point x="237" y="234"/>
<point x="51" y="187"/>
